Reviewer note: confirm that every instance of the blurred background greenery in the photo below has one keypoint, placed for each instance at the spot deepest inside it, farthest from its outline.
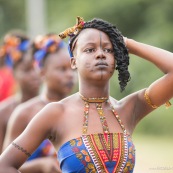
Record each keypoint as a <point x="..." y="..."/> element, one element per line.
<point x="144" y="20"/>
<point x="148" y="21"/>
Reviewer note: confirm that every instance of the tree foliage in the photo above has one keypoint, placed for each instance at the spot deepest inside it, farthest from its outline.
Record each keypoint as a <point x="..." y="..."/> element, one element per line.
<point x="12" y="15"/>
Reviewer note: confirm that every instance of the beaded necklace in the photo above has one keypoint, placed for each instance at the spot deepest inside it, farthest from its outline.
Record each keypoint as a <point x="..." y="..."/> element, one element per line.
<point x="98" y="102"/>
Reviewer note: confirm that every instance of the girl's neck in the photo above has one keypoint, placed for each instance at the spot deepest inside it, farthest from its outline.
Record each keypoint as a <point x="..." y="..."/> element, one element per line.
<point x="51" y="96"/>
<point x="23" y="97"/>
<point x="23" y="94"/>
<point x="94" y="90"/>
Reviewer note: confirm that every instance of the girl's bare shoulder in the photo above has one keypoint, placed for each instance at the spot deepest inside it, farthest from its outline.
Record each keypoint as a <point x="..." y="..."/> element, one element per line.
<point x="70" y="99"/>
<point x="60" y="107"/>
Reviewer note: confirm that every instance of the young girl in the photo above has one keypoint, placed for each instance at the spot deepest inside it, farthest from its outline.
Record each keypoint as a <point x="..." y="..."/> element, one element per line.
<point x="18" y="57"/>
<point x="54" y="63"/>
<point x="90" y="130"/>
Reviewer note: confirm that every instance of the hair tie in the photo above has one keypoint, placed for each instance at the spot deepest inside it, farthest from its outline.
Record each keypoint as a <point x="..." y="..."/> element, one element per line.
<point x="73" y="30"/>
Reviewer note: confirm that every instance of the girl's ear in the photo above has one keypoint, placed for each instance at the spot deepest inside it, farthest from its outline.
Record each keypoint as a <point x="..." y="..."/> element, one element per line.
<point x="73" y="63"/>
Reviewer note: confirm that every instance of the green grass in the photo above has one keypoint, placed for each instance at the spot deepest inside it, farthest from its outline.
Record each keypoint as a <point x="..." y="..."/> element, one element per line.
<point x="154" y="154"/>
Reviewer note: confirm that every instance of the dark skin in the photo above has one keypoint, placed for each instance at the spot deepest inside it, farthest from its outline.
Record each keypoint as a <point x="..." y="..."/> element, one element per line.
<point x="63" y="120"/>
<point x="28" y="85"/>
<point x="58" y="83"/>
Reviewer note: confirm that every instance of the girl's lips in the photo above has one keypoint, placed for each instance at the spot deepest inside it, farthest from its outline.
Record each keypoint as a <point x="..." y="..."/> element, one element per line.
<point x="101" y="64"/>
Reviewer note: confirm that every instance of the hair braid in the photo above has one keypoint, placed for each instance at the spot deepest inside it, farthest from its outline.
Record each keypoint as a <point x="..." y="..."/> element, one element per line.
<point x="120" y="51"/>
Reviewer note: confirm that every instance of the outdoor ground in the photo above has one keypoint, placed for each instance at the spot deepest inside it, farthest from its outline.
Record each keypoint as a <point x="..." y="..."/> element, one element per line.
<point x="153" y="154"/>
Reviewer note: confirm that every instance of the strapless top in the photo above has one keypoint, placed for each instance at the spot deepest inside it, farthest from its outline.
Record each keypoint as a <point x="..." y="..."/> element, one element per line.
<point x="102" y="153"/>
<point x="45" y="149"/>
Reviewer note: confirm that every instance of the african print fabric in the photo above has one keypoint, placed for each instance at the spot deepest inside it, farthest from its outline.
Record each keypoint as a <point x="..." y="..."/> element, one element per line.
<point x="45" y="149"/>
<point x="102" y="153"/>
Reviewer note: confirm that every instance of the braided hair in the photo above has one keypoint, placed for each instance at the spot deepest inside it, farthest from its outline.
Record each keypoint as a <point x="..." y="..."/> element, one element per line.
<point x="120" y="51"/>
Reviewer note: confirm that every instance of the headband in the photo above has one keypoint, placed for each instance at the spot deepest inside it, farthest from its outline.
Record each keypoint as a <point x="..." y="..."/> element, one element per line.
<point x="12" y="49"/>
<point x="48" y="44"/>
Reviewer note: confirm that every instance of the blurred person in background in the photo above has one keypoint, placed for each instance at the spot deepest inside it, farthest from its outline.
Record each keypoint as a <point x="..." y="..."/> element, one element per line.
<point x="18" y="57"/>
<point x="90" y="130"/>
<point x="7" y="81"/>
<point x="53" y="60"/>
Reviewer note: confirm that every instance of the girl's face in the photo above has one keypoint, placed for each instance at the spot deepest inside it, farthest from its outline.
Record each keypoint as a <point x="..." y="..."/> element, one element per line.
<point x="57" y="72"/>
<point x="93" y="55"/>
<point x="27" y="77"/>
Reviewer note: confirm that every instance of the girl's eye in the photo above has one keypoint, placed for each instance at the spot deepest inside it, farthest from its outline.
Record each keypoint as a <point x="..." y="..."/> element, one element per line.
<point x="108" y="50"/>
<point x="89" y="50"/>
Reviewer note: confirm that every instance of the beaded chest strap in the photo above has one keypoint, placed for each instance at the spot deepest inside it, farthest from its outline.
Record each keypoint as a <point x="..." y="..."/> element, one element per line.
<point x="98" y="102"/>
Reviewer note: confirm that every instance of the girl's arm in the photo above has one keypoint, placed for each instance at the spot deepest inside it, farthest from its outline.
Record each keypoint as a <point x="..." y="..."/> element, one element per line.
<point x="41" y="165"/>
<point x="161" y="90"/>
<point x="21" y="148"/>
